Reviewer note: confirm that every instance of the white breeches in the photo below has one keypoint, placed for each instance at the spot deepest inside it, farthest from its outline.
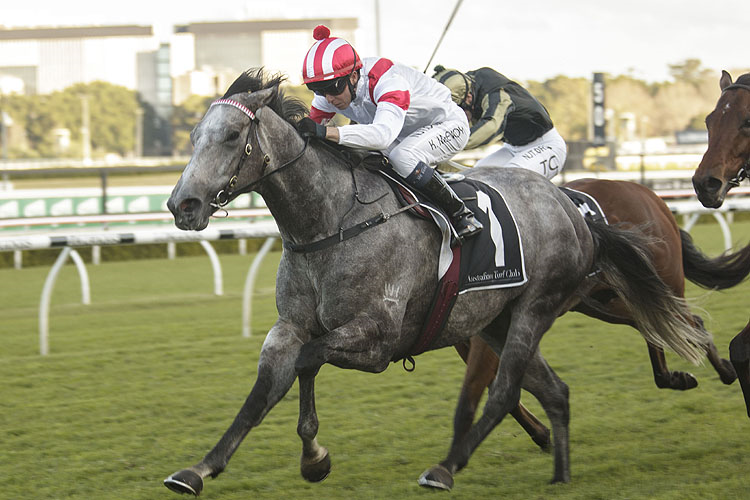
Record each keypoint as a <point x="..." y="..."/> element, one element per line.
<point x="431" y="145"/>
<point x="545" y="155"/>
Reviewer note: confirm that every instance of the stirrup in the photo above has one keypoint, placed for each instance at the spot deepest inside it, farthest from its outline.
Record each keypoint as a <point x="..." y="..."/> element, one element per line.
<point x="466" y="225"/>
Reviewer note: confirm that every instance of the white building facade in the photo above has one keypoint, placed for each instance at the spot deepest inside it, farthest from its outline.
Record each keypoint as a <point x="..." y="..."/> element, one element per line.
<point x="51" y="59"/>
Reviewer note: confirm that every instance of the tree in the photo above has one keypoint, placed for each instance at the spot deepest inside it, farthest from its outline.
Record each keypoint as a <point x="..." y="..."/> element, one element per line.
<point x="113" y="113"/>
<point x="689" y="71"/>
<point x="184" y="118"/>
<point x="567" y="100"/>
<point x="627" y="95"/>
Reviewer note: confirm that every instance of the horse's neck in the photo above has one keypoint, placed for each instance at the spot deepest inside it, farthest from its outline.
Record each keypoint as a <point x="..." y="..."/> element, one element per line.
<point x="309" y="199"/>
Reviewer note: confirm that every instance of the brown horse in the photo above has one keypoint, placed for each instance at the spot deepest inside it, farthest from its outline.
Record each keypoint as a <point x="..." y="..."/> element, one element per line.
<point x="725" y="164"/>
<point x="674" y="256"/>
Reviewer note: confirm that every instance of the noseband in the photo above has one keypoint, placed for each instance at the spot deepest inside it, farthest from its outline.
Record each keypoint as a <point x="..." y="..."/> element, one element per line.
<point x="742" y="173"/>
<point x="225" y="194"/>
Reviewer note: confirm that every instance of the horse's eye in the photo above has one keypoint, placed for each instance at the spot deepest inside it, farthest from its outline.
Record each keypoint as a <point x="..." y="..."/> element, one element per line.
<point x="233" y="136"/>
<point x="746" y="124"/>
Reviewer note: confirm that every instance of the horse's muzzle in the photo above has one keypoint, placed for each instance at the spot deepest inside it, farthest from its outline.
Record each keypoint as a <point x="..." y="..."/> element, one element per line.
<point x="710" y="190"/>
<point x="188" y="214"/>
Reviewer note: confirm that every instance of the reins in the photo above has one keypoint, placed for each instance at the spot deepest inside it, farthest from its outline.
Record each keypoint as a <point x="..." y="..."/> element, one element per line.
<point x="351" y="231"/>
<point x="345" y="234"/>
<point x="224" y="195"/>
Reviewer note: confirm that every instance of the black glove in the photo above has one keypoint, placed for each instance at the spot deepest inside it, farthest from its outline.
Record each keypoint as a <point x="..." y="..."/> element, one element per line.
<point x="309" y="128"/>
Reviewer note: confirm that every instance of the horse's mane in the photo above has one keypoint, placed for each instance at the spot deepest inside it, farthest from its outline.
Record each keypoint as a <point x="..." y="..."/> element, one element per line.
<point x="290" y="108"/>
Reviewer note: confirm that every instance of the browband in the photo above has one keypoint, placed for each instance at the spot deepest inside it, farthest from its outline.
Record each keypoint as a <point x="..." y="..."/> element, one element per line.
<point x="237" y="105"/>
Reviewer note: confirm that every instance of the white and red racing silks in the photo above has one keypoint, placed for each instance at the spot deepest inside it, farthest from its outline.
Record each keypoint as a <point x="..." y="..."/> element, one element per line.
<point x="392" y="102"/>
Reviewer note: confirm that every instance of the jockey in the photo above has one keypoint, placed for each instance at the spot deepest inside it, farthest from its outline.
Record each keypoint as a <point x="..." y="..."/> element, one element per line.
<point x="500" y="109"/>
<point x="396" y="110"/>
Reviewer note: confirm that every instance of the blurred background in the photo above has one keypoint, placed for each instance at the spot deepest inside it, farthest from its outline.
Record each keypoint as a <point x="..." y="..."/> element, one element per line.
<point x="102" y="101"/>
<point x="89" y="83"/>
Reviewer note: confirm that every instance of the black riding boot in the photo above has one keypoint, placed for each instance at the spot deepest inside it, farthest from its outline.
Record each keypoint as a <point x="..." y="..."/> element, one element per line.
<point x="432" y="184"/>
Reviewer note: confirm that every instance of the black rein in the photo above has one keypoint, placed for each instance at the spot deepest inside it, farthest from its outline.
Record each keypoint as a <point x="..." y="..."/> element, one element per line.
<point x="223" y="196"/>
<point x="742" y="173"/>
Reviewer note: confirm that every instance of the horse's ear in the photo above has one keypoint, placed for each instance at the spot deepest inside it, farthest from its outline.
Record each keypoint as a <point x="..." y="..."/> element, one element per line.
<point x="726" y="80"/>
<point x="263" y="97"/>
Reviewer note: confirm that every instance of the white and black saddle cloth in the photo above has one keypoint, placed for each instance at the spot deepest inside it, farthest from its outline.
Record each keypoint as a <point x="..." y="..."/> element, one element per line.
<point x="491" y="259"/>
<point x="587" y="204"/>
<point x="494" y="257"/>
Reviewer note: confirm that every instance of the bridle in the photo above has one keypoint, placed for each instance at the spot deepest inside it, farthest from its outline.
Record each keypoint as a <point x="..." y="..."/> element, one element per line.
<point x="225" y="194"/>
<point x="742" y="173"/>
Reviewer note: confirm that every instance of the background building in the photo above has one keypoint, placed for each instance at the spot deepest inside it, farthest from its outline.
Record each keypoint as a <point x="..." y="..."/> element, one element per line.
<point x="50" y="59"/>
<point x="222" y="50"/>
<point x="201" y="58"/>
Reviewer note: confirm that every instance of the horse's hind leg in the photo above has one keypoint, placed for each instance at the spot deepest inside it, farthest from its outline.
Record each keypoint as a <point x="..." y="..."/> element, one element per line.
<point x="504" y="394"/>
<point x="739" y="353"/>
<point x="663" y="377"/>
<point x="614" y="311"/>
<point x="481" y="367"/>
<point x="275" y="376"/>
<point x="552" y="393"/>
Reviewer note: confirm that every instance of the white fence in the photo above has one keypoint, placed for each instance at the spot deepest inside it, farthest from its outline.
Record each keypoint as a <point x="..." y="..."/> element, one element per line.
<point x="681" y="203"/>
<point x="142" y="235"/>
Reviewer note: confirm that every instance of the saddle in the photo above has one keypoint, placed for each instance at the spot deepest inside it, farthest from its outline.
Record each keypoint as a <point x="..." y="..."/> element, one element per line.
<point x="492" y="259"/>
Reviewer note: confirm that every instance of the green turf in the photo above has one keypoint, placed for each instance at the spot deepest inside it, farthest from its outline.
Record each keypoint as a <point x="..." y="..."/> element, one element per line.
<point x="143" y="381"/>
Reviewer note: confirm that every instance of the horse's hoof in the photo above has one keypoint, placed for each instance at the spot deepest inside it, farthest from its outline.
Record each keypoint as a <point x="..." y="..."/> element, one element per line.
<point x="544" y="441"/>
<point x="560" y="480"/>
<point x="317" y="471"/>
<point x="437" y="477"/>
<point x="185" y="481"/>
<point x="687" y="382"/>
<point x="679" y="381"/>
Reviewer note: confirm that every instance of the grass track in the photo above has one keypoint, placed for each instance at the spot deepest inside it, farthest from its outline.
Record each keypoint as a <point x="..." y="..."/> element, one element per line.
<point x="143" y="382"/>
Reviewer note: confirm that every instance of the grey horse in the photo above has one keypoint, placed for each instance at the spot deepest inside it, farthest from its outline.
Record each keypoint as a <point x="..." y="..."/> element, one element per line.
<point x="360" y="302"/>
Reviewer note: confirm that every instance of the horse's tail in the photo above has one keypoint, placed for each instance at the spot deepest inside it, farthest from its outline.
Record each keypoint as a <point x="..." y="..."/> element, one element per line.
<point x="724" y="271"/>
<point x="626" y="266"/>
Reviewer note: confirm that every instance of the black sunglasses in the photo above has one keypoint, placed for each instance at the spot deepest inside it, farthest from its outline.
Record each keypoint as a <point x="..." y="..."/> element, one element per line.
<point x="330" y="87"/>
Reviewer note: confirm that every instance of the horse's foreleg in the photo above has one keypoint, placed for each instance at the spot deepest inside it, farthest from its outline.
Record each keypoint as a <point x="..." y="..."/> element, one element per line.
<point x="315" y="463"/>
<point x="537" y="431"/>
<point x="360" y="344"/>
<point x="739" y="354"/>
<point x="722" y="366"/>
<point x="275" y="376"/>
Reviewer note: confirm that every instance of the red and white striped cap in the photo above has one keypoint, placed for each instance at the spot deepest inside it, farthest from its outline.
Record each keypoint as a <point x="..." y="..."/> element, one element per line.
<point x="329" y="57"/>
